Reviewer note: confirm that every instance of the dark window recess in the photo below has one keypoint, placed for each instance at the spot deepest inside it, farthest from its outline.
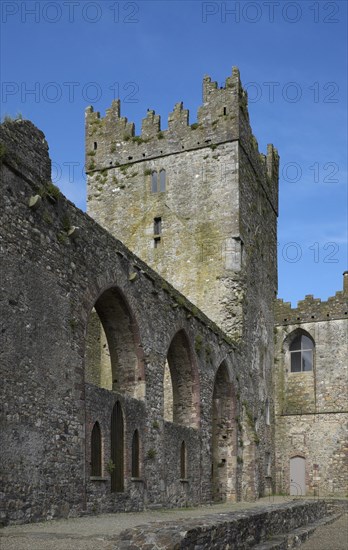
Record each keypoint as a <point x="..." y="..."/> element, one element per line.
<point x="135" y="455"/>
<point x="183" y="461"/>
<point x="301" y="353"/>
<point x="225" y="111"/>
<point x="157" y="226"/>
<point x="117" y="449"/>
<point x="157" y="231"/>
<point x="96" y="451"/>
<point x="95" y="146"/>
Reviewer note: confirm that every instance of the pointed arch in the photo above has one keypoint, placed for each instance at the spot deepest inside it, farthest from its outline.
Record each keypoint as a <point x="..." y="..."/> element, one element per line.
<point x="300" y="346"/>
<point x="224" y="437"/>
<point x="117" y="448"/>
<point x="167" y="394"/>
<point x="184" y="382"/>
<point x="113" y="354"/>
<point x="96" y="451"/>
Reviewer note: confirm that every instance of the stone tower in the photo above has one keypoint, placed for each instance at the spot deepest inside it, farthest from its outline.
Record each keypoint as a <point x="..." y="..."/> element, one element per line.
<point x="197" y="202"/>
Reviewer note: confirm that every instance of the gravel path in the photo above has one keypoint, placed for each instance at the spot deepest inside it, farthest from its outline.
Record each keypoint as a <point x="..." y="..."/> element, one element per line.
<point x="333" y="536"/>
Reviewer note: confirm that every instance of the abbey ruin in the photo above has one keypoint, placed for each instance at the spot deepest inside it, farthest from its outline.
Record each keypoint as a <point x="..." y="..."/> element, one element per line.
<point x="145" y="359"/>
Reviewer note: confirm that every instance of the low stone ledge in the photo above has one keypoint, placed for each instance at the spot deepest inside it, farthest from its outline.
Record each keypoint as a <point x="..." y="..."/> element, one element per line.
<point x="243" y="529"/>
<point x="98" y="478"/>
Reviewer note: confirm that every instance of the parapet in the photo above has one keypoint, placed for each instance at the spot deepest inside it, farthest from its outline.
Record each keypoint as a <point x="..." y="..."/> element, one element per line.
<point x="223" y="117"/>
<point x="313" y="309"/>
<point x="24" y="146"/>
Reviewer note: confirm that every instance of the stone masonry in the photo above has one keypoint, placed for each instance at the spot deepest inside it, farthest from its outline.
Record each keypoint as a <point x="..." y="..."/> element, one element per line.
<point x="62" y="412"/>
<point x="199" y="204"/>
<point x="138" y="358"/>
<point x="311" y="407"/>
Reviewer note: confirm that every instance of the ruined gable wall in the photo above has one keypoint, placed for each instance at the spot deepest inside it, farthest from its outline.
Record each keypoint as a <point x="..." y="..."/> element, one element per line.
<point x="55" y="263"/>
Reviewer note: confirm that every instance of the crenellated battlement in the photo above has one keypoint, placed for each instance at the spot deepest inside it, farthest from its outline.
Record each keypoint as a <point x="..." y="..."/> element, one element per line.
<point x="313" y="309"/>
<point x="223" y="117"/>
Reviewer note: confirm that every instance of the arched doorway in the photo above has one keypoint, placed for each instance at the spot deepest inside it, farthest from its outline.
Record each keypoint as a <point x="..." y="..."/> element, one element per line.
<point x="298" y="476"/>
<point x="224" y="438"/>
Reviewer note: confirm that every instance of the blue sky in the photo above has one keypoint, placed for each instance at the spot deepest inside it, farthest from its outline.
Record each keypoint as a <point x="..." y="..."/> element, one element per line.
<point x="57" y="57"/>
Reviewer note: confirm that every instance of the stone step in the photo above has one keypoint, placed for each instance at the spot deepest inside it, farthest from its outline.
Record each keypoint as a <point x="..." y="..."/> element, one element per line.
<point x="295" y="538"/>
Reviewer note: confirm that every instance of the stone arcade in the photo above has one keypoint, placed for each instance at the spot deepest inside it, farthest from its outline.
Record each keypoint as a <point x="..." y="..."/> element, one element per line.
<point x="138" y="371"/>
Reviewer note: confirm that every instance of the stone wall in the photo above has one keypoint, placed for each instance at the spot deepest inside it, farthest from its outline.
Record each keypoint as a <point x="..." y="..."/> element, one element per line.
<point x="211" y="231"/>
<point x="59" y="269"/>
<point x="280" y="526"/>
<point x="312" y="407"/>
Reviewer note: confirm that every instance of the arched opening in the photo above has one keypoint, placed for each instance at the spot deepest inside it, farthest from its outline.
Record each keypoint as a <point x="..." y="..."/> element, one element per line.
<point x="301" y="354"/>
<point x="183" y="461"/>
<point x="135" y="455"/>
<point x="96" y="451"/>
<point x="181" y="384"/>
<point x="298" y="476"/>
<point x="299" y="367"/>
<point x="117" y="449"/>
<point x="224" y="437"/>
<point x="167" y="394"/>
<point x="113" y="358"/>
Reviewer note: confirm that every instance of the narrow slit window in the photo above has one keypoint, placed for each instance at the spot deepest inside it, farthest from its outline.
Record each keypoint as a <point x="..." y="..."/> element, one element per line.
<point x="95" y="146"/>
<point x="135" y="455"/>
<point x="268" y="413"/>
<point x="183" y="472"/>
<point x="225" y="111"/>
<point x="154" y="182"/>
<point x="117" y="449"/>
<point x="157" y="226"/>
<point x="268" y="465"/>
<point x="157" y="231"/>
<point x="162" y="181"/>
<point x="96" y="451"/>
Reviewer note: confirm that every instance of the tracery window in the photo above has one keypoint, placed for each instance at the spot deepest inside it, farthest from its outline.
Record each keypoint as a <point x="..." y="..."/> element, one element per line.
<point x="158" y="181"/>
<point x="301" y="354"/>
